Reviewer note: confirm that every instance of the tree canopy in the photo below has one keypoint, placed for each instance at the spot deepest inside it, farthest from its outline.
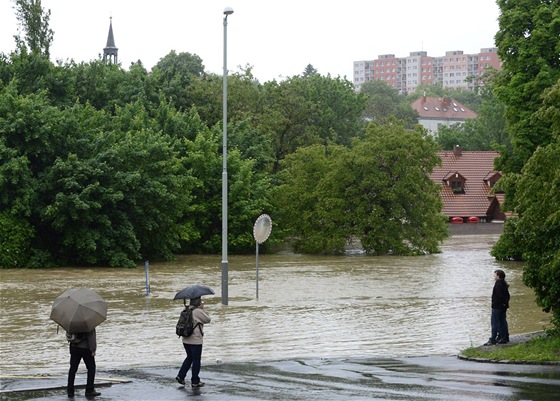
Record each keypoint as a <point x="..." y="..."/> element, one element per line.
<point x="384" y="102"/>
<point x="486" y="132"/>
<point x="378" y="191"/>
<point x="529" y="88"/>
<point x="102" y="166"/>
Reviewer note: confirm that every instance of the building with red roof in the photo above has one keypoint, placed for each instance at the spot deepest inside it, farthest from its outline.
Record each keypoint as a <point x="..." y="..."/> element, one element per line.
<point x="466" y="180"/>
<point x="434" y="112"/>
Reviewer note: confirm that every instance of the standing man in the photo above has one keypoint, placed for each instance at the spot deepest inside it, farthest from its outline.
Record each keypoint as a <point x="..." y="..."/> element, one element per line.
<point x="193" y="344"/>
<point x="82" y="346"/>
<point x="500" y="304"/>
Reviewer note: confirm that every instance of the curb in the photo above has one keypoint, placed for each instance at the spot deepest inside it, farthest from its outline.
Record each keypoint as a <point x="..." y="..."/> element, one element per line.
<point x="508" y="361"/>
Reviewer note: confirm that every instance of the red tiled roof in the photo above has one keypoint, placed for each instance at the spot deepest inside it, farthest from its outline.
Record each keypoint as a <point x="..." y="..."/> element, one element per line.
<point x="475" y="168"/>
<point x="442" y="109"/>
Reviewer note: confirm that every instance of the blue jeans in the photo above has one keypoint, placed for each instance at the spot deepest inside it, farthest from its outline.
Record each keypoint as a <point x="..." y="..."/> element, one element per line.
<point x="76" y="355"/>
<point x="194" y="355"/>
<point x="499" y="325"/>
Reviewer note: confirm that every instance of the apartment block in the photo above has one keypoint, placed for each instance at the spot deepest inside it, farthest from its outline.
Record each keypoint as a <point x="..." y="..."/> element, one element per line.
<point x="405" y="73"/>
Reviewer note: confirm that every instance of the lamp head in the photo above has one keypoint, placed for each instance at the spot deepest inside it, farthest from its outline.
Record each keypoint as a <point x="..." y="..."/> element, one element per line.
<point x="228" y="11"/>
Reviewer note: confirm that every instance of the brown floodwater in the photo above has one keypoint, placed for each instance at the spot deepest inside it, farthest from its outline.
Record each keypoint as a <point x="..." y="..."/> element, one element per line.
<point x="308" y="306"/>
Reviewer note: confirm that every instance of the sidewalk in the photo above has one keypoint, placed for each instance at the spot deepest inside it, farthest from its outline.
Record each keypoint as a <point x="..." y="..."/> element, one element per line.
<point x="403" y="379"/>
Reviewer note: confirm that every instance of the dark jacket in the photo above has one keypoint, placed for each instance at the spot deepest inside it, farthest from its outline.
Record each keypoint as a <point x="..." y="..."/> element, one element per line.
<point x="500" y="295"/>
<point x="89" y="340"/>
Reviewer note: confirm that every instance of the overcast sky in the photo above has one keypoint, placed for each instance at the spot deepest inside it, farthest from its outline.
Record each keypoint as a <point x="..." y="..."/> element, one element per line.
<point x="278" y="38"/>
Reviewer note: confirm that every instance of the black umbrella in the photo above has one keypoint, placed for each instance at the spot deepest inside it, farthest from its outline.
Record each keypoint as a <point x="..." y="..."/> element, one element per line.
<point x="194" y="291"/>
<point x="79" y="310"/>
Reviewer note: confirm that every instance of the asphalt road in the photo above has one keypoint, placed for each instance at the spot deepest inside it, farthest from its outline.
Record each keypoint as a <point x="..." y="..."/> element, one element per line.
<point x="425" y="378"/>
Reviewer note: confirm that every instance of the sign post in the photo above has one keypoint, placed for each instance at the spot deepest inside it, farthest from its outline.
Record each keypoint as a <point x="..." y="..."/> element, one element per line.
<point x="261" y="232"/>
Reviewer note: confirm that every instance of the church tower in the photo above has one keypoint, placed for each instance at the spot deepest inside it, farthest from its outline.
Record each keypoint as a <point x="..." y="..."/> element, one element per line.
<point x="110" y="52"/>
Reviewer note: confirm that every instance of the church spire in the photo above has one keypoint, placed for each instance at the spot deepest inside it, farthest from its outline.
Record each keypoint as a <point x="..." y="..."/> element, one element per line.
<point x="110" y="52"/>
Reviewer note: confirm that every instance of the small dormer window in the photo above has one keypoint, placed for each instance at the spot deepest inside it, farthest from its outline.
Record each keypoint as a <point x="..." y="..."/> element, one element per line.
<point x="492" y="178"/>
<point x="457" y="186"/>
<point x="456" y="182"/>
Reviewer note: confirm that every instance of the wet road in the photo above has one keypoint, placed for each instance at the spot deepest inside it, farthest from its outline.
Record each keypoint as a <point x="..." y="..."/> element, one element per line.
<point x="402" y="379"/>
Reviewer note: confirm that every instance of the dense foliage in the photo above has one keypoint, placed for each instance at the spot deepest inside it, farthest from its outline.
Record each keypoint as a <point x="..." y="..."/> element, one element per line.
<point x="529" y="87"/>
<point x="105" y="166"/>
<point x="487" y="131"/>
<point x="331" y="195"/>
<point x="385" y="102"/>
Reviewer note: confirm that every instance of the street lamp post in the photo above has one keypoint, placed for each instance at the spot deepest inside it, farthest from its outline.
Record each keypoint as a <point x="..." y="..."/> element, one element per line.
<point x="227" y="11"/>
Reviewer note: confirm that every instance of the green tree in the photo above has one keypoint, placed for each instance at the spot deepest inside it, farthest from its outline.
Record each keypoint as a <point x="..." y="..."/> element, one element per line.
<point x="116" y="198"/>
<point x="384" y="101"/>
<point x="529" y="47"/>
<point x="175" y="74"/>
<point x="309" y="70"/>
<point x="534" y="236"/>
<point x="486" y="132"/>
<point x="244" y="97"/>
<point x="396" y="206"/>
<point x="312" y="110"/>
<point x="308" y="212"/>
<point x="377" y="191"/>
<point x="34" y="21"/>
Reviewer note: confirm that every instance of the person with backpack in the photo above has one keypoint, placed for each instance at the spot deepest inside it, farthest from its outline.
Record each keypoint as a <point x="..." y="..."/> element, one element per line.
<point x="193" y="342"/>
<point x="82" y="346"/>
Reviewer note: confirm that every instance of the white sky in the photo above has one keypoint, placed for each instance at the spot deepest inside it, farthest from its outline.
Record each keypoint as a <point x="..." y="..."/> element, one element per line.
<point x="279" y="39"/>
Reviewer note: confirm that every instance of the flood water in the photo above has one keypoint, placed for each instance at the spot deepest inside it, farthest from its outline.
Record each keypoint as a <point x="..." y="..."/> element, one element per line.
<point x="308" y="307"/>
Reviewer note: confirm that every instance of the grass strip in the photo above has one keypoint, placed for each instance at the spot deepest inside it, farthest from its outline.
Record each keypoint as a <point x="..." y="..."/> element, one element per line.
<point x="541" y="349"/>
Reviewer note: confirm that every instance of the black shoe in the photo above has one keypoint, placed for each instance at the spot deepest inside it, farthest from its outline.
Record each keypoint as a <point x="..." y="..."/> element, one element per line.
<point x="92" y="393"/>
<point x="199" y="384"/>
<point x="490" y="343"/>
<point x="181" y="381"/>
<point x="71" y="395"/>
<point x="503" y="341"/>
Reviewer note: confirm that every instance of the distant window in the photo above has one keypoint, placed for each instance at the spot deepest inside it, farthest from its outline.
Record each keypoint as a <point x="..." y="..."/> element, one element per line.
<point x="457" y="187"/>
<point x="425" y="108"/>
<point x="437" y="108"/>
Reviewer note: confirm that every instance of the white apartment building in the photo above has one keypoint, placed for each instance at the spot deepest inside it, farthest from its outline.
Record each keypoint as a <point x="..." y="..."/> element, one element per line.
<point x="406" y="73"/>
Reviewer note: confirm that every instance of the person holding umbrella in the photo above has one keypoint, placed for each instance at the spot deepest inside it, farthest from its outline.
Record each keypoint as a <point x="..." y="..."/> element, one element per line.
<point x="79" y="311"/>
<point x="193" y="343"/>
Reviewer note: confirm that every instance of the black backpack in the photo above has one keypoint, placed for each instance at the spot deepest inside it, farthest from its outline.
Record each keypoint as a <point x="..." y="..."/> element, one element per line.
<point x="185" y="326"/>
